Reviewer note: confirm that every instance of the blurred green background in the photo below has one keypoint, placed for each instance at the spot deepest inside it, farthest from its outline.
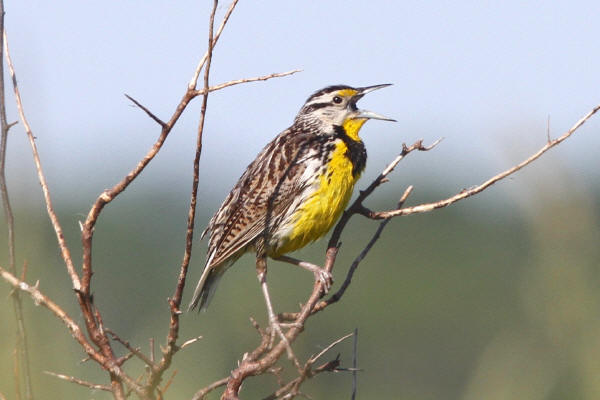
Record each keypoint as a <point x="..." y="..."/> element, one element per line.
<point x="496" y="297"/>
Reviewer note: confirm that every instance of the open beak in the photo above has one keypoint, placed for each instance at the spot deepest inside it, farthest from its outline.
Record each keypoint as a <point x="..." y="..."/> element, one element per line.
<point x="370" y="114"/>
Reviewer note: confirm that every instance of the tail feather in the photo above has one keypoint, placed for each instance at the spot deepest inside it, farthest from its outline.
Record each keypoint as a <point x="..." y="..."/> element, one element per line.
<point x="207" y="285"/>
<point x="205" y="289"/>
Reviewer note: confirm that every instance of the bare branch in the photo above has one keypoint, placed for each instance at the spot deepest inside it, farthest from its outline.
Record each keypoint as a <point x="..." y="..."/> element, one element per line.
<point x="93" y="386"/>
<point x="470" y="192"/>
<point x="66" y="255"/>
<point x="246" y="80"/>
<point x="217" y="35"/>
<point x="133" y="350"/>
<point x="291" y="389"/>
<point x="21" y="344"/>
<point x="200" y="394"/>
<point x="314" y="358"/>
<point x="175" y="301"/>
<point x="150" y="114"/>
<point x="354" y="364"/>
<point x="40" y="299"/>
<point x="338" y="295"/>
<point x="189" y="342"/>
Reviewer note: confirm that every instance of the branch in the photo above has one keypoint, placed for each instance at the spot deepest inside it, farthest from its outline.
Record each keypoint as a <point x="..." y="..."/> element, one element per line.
<point x="422" y="208"/>
<point x="66" y="255"/>
<point x="107" y="361"/>
<point x="148" y="112"/>
<point x="213" y="89"/>
<point x="338" y="295"/>
<point x="21" y="345"/>
<point x="200" y="394"/>
<point x="291" y="389"/>
<point x="211" y="45"/>
<point x="90" y="385"/>
<point x="246" y="80"/>
<point x="260" y="360"/>
<point x="40" y="299"/>
<point x="175" y="300"/>
<point x="133" y="350"/>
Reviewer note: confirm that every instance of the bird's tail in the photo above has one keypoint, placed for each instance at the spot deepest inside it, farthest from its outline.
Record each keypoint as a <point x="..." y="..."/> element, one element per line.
<point x="206" y="287"/>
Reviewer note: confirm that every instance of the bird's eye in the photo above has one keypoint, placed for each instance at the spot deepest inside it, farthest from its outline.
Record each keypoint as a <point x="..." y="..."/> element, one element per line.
<point x="337" y="99"/>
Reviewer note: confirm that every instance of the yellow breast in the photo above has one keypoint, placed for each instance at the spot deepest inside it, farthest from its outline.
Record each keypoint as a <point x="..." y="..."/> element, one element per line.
<point x="321" y="210"/>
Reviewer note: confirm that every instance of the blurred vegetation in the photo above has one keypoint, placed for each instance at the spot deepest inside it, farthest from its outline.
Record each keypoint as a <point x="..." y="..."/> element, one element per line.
<point x="493" y="298"/>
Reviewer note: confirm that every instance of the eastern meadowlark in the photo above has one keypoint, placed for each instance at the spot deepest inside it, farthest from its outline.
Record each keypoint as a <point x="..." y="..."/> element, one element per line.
<point x="294" y="191"/>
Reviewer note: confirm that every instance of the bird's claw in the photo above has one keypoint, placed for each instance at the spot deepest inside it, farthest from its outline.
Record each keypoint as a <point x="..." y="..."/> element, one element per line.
<point x="326" y="279"/>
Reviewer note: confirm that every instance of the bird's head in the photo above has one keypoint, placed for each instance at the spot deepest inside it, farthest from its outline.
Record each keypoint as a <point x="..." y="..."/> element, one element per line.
<point x="336" y="106"/>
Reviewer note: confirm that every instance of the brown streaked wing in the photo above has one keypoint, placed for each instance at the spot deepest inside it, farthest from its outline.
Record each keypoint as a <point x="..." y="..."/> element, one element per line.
<point x="242" y="217"/>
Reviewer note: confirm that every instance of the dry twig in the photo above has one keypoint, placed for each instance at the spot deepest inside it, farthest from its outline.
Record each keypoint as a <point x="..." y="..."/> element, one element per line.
<point x="93" y="386"/>
<point x="422" y="208"/>
<point x="22" y="355"/>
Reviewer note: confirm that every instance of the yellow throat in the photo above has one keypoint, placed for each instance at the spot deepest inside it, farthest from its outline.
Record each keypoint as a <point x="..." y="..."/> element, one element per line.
<point x="322" y="209"/>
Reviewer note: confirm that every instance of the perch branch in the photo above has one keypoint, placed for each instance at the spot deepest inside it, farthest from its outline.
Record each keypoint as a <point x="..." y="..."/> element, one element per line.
<point x="264" y="360"/>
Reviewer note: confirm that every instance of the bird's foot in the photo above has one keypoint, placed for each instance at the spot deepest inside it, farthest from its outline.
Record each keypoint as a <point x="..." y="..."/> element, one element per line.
<point x="325" y="277"/>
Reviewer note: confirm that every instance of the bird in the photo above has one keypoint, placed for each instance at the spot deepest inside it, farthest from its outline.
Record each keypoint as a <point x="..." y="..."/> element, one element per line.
<point x="293" y="192"/>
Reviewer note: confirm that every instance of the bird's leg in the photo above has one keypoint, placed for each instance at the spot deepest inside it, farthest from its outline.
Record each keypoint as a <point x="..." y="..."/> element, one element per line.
<point x="261" y="272"/>
<point x="321" y="274"/>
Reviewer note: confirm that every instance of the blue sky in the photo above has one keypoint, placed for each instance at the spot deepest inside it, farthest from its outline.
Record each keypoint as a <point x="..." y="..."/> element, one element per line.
<point x="484" y="75"/>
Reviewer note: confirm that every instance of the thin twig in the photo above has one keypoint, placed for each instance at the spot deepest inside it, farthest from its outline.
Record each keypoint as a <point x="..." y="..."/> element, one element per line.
<point x="151" y="340"/>
<point x="148" y="112"/>
<point x="338" y="295"/>
<point x="314" y="358"/>
<point x="133" y="350"/>
<point x="189" y="342"/>
<point x="66" y="254"/>
<point x="217" y="35"/>
<point x="246" y="80"/>
<point x="90" y="385"/>
<point x="175" y="301"/>
<point x="354" y="364"/>
<point x="21" y="342"/>
<point x="200" y="394"/>
<point x="220" y="86"/>
<point x="40" y="299"/>
<point x="291" y="389"/>
<point x="422" y="208"/>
